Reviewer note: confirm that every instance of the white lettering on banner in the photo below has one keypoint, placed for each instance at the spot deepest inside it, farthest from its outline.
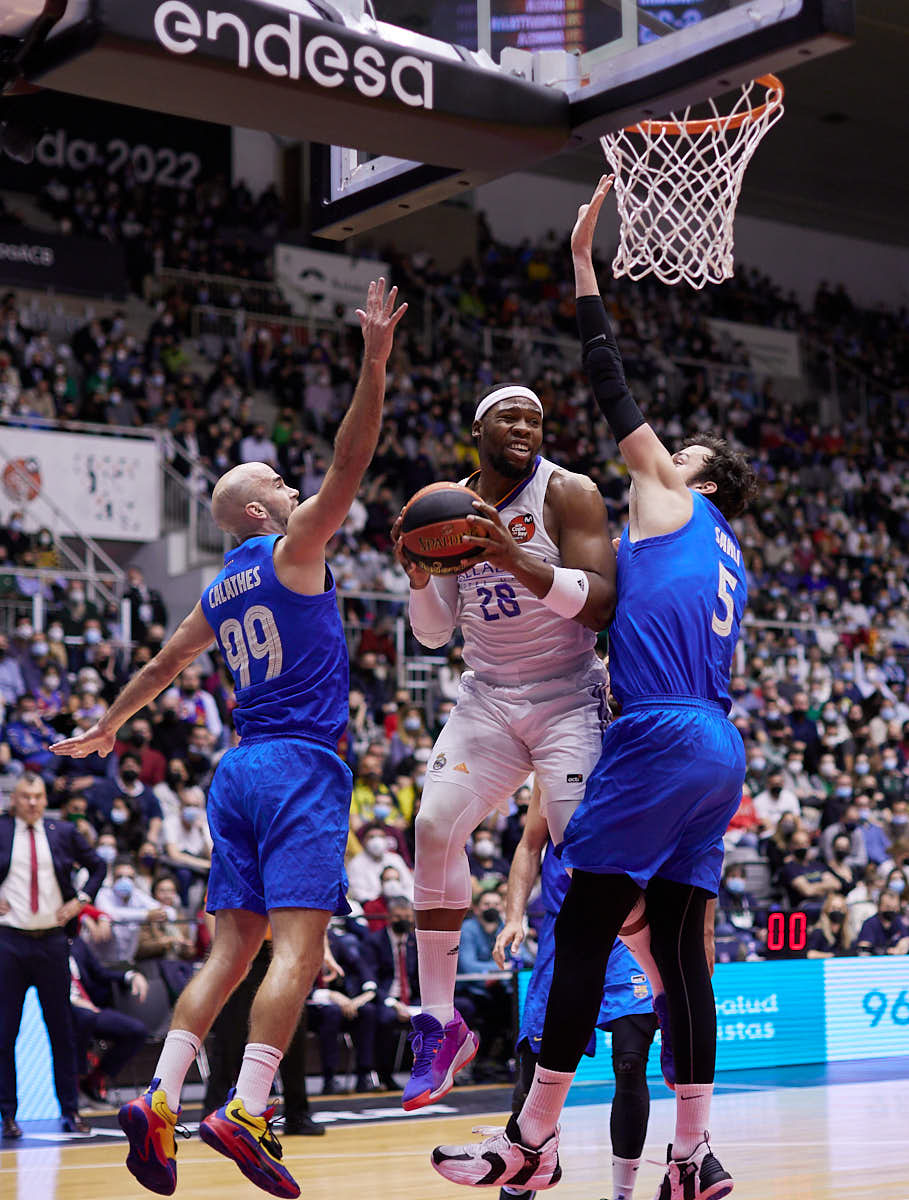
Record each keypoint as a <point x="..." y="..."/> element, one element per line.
<point x="747" y="1004"/>
<point x="37" y="256"/>
<point x="740" y="1032"/>
<point x="180" y="29"/>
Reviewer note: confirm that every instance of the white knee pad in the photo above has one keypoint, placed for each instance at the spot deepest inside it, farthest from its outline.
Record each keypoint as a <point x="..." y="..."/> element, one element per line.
<point x="448" y="816"/>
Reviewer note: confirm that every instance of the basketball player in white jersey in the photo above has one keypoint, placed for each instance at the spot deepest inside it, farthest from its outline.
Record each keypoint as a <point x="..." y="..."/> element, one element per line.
<point x="533" y="700"/>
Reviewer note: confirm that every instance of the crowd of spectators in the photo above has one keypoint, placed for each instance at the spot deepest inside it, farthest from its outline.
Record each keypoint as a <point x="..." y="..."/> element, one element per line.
<point x="820" y="690"/>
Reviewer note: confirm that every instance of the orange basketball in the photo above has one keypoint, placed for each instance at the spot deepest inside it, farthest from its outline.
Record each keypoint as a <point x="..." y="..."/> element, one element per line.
<point x="433" y="526"/>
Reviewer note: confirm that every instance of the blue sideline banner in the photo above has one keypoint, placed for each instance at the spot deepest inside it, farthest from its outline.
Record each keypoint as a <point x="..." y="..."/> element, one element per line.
<point x="867" y="1003"/>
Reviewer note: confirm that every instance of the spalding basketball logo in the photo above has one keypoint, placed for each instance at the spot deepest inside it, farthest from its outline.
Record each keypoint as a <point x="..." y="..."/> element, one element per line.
<point x="22" y="479"/>
<point x="522" y="528"/>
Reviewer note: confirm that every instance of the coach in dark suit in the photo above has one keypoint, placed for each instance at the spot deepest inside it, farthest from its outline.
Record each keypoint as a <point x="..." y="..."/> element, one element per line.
<point x="38" y="908"/>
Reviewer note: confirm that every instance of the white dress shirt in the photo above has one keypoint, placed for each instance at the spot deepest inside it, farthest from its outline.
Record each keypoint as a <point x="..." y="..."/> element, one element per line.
<point x="16" y="889"/>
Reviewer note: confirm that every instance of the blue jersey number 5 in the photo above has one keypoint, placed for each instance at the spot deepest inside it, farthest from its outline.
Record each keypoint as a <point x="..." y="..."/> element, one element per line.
<point x="505" y="599"/>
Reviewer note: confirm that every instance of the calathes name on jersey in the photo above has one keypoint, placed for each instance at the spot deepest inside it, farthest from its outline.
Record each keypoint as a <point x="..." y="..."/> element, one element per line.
<point x="232" y="585"/>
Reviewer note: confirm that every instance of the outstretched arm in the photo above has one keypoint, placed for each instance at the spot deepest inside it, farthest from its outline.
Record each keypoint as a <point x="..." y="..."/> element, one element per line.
<point x="314" y="522"/>
<point x="187" y="642"/>
<point x="663" y="502"/>
<point x="525" y="867"/>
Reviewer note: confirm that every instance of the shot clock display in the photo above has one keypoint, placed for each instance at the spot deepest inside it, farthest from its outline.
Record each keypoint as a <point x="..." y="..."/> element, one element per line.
<point x="787" y="934"/>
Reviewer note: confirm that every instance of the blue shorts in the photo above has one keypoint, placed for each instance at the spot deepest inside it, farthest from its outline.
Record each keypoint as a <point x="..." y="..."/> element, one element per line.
<point x="661" y="797"/>
<point x="625" y="990"/>
<point x="279" y="811"/>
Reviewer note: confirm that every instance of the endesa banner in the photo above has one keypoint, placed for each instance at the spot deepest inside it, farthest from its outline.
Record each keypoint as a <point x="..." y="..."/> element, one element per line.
<point x="31" y="258"/>
<point x="775" y="1014"/>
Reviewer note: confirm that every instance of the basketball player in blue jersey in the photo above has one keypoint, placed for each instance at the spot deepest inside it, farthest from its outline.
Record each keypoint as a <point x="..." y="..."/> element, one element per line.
<point x="279" y="802"/>
<point x="668" y="782"/>
<point x="626" y="1008"/>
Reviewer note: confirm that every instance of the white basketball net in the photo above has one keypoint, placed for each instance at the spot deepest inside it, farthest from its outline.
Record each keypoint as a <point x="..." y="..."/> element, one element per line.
<point x="677" y="183"/>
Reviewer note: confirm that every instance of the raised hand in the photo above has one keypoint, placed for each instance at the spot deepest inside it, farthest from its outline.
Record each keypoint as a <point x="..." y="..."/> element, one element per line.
<point x="379" y="320"/>
<point x="585" y="225"/>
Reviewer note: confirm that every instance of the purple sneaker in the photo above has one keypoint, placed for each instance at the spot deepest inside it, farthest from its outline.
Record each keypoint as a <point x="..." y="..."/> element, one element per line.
<point x="667" y="1062"/>
<point x="439" y="1052"/>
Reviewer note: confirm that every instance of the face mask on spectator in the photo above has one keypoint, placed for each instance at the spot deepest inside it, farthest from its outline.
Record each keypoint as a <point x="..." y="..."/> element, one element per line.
<point x="484" y="849"/>
<point x="400" y="925"/>
<point x="39" y="649"/>
<point x="119" y="816"/>
<point x="74" y="817"/>
<point x="828" y="770"/>
<point x="123" y="888"/>
<point x="864" y="814"/>
<point x="862" y="768"/>
<point x="381" y="812"/>
<point x="489" y="916"/>
<point x="175" y="779"/>
<point x="419" y="778"/>
<point x="51" y="682"/>
<point x="77" y="596"/>
<point x="897" y="885"/>
<point x="92" y="637"/>
<point x="887" y="712"/>
<point x="795" y="765"/>
<point x="841" y="853"/>
<point x="391" y="887"/>
<point x="443" y="717"/>
<point x="24" y="630"/>
<point x="758" y="764"/>
<point x="148" y="861"/>
<point x="55" y="633"/>
<point x="899" y="820"/>
<point x="129" y="774"/>
<point x="836" y="918"/>
<point x="736" y="885"/>
<point x="889" y="764"/>
<point x="421" y="754"/>
<point x="801" y="854"/>
<point x="375" y="846"/>
<point x="107" y="853"/>
<point x="843" y="792"/>
<point x="191" y="813"/>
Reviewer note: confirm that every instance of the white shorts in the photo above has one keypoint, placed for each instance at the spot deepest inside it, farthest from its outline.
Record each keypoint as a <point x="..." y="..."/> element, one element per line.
<point x="496" y="736"/>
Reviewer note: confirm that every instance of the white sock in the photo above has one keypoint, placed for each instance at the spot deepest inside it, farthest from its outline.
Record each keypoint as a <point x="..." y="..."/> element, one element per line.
<point x="639" y="945"/>
<point x="624" y="1174"/>
<point x="257" y="1074"/>
<point x="437" y="960"/>
<point x="692" y="1114"/>
<point x="539" y="1117"/>
<point x="177" y="1054"/>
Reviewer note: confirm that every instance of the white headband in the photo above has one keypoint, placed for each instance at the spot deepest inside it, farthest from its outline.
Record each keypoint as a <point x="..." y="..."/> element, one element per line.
<point x="509" y="391"/>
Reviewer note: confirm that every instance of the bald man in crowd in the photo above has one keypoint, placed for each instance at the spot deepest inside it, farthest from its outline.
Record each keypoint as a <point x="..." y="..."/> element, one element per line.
<point x="278" y="805"/>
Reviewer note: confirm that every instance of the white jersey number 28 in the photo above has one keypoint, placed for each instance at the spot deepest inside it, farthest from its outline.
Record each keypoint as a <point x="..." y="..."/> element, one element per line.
<point x="728" y="584"/>
<point x="261" y="640"/>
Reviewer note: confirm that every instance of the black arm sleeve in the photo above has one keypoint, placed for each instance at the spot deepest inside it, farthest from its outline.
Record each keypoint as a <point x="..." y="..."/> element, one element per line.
<point x="603" y="364"/>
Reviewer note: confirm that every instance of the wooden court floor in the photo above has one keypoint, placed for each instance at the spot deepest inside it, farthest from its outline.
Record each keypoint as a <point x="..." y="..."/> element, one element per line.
<point x="834" y="1142"/>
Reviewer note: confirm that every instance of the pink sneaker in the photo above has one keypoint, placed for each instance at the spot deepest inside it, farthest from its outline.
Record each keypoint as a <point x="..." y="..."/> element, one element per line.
<point x="439" y="1052"/>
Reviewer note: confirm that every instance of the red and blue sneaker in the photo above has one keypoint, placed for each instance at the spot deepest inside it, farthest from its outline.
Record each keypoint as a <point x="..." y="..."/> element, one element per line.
<point x="252" y="1145"/>
<point x="667" y="1062"/>
<point x="150" y="1125"/>
<point x="439" y="1052"/>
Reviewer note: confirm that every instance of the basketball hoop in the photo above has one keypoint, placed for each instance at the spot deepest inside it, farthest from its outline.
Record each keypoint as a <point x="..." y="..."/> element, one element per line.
<point x="677" y="183"/>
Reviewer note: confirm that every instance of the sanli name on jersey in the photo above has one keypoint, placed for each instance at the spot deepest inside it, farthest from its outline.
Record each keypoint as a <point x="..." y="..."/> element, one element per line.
<point x="728" y="546"/>
<point x="232" y="585"/>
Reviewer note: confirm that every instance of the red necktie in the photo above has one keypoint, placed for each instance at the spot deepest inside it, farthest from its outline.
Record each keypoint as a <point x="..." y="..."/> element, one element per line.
<point x="34" y="887"/>
<point x="403" y="982"/>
